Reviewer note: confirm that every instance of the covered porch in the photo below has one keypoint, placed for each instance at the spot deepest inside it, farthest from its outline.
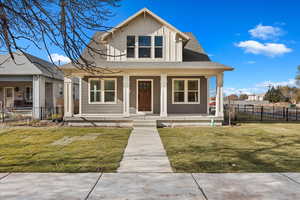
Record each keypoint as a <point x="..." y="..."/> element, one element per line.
<point x="177" y="96"/>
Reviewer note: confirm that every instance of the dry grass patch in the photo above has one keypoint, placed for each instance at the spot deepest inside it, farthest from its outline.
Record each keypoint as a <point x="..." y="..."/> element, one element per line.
<point x="245" y="148"/>
<point x="31" y="149"/>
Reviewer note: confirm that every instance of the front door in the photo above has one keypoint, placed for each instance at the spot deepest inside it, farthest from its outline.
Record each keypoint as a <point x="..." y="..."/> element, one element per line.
<point x="9" y="97"/>
<point x="144" y="96"/>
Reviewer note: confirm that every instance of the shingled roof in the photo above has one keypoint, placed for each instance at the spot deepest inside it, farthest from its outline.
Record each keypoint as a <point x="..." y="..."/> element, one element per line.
<point x="27" y="64"/>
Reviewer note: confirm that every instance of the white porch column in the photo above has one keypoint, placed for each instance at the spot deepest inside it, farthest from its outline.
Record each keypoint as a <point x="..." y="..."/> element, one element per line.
<point x="68" y="97"/>
<point x="219" y="96"/>
<point x="163" y="95"/>
<point x="126" y="96"/>
<point x="208" y="92"/>
<point x="38" y="93"/>
<point x="79" y="91"/>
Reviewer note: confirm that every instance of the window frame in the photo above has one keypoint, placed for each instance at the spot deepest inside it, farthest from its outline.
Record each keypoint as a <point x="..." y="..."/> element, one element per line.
<point x="102" y="90"/>
<point x="131" y="47"/>
<point x="186" y="90"/>
<point x="159" y="47"/>
<point x="152" y="48"/>
<point x="30" y="94"/>
<point x="145" y="47"/>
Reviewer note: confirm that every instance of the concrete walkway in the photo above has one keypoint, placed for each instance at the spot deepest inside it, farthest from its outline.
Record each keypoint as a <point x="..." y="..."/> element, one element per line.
<point x="149" y="186"/>
<point x="145" y="152"/>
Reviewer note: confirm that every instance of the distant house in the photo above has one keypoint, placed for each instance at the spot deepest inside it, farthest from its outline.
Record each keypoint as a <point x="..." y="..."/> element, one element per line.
<point x="256" y="97"/>
<point x="29" y="84"/>
<point x="156" y="70"/>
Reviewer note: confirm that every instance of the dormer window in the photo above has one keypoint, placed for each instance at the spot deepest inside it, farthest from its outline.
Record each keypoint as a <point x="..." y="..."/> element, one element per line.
<point x="144" y="46"/>
<point x="130" y="46"/>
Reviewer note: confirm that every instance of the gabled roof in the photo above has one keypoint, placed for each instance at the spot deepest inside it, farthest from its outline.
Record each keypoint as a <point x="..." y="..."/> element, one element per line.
<point x="27" y="64"/>
<point x="143" y="11"/>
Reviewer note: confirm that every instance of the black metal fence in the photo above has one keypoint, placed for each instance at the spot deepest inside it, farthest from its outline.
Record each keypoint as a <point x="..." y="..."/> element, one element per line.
<point x="244" y="113"/>
<point x="28" y="113"/>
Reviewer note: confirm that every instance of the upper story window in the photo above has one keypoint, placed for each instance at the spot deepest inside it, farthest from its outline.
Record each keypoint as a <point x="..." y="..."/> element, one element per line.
<point x="130" y="46"/>
<point x="158" y="46"/>
<point x="144" y="46"/>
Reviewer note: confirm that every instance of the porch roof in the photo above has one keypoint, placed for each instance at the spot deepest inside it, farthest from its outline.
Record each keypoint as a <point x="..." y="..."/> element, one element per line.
<point x="205" y="65"/>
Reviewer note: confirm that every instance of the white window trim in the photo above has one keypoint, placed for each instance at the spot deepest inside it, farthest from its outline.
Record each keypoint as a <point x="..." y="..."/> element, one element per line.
<point x="31" y="94"/>
<point x="185" y="90"/>
<point x="102" y="91"/>
<point x="152" y="47"/>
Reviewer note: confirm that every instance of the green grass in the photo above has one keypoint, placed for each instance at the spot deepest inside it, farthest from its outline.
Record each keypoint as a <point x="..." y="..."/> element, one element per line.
<point x="245" y="148"/>
<point x="30" y="150"/>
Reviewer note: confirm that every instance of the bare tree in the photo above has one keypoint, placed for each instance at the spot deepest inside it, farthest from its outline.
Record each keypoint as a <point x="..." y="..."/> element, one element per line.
<point x="298" y="76"/>
<point x="62" y="23"/>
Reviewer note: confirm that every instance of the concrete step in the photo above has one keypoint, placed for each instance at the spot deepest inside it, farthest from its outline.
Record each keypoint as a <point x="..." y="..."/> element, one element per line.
<point x="144" y="123"/>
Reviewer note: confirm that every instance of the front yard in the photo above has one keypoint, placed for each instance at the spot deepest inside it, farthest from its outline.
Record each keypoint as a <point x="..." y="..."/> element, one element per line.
<point x="245" y="148"/>
<point x="62" y="149"/>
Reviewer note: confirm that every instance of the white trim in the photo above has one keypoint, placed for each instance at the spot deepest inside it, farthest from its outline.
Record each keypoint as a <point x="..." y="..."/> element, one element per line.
<point x="137" y="96"/>
<point x="126" y="95"/>
<point x="208" y="92"/>
<point x="163" y="95"/>
<point x="143" y="11"/>
<point x="185" y="90"/>
<point x="13" y="96"/>
<point x="80" y="92"/>
<point x="102" y="91"/>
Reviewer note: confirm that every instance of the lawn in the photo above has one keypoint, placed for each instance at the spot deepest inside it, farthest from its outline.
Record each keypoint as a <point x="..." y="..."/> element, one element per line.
<point x="62" y="149"/>
<point x="243" y="148"/>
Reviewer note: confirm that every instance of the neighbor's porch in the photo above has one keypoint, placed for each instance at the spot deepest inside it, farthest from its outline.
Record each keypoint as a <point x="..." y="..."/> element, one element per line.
<point x="161" y="105"/>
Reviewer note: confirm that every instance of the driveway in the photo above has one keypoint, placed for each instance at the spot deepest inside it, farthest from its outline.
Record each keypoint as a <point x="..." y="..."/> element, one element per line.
<point x="142" y="186"/>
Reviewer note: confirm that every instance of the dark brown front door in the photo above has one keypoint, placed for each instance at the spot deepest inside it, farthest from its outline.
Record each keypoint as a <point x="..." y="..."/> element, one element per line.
<point x="144" y="96"/>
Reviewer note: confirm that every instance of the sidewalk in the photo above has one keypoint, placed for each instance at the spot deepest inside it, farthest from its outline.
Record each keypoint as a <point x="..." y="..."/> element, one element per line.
<point x="145" y="152"/>
<point x="149" y="186"/>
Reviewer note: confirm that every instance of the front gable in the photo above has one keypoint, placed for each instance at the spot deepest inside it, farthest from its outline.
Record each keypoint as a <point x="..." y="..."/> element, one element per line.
<point x="144" y="23"/>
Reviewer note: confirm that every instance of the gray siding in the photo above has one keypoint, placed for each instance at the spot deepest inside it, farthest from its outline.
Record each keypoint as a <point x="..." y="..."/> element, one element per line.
<point x="156" y="93"/>
<point x="101" y="108"/>
<point x="188" y="108"/>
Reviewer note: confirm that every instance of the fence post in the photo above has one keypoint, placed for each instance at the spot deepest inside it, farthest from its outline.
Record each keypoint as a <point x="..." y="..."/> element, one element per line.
<point x="287" y="114"/>
<point x="283" y="113"/>
<point x="261" y="113"/>
<point x="296" y="113"/>
<point x="273" y="112"/>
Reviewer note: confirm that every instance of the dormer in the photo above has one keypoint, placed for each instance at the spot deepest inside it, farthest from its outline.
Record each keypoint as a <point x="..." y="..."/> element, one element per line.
<point x="145" y="37"/>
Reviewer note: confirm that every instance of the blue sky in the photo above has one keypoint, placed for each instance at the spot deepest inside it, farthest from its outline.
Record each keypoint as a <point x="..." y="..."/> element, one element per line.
<point x="259" y="38"/>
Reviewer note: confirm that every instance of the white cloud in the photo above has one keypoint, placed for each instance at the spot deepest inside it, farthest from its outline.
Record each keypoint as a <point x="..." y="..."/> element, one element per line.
<point x="266" y="32"/>
<point x="259" y="87"/>
<point x="251" y="62"/>
<point x="59" y="58"/>
<point x="268" y="49"/>
<point x="289" y="82"/>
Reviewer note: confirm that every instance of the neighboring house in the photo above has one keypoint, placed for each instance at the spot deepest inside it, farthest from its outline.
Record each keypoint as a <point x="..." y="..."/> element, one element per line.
<point x="156" y="70"/>
<point x="29" y="84"/>
<point x="256" y="97"/>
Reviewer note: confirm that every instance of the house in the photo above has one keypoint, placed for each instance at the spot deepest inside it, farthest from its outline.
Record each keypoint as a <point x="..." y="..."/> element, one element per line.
<point x="29" y="84"/>
<point x="256" y="97"/>
<point x="156" y="70"/>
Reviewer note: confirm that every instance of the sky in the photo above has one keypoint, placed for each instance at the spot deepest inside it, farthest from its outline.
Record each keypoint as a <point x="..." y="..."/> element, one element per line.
<point x="259" y="38"/>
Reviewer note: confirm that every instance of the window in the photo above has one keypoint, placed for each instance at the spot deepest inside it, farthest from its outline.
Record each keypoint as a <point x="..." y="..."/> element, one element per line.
<point x="144" y="46"/>
<point x="102" y="90"/>
<point x="158" y="46"/>
<point x="28" y="94"/>
<point x="130" y="46"/>
<point x="186" y="91"/>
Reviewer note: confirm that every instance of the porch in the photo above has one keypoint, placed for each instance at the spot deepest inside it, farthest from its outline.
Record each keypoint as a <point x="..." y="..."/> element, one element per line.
<point x="167" y="98"/>
<point x="29" y="96"/>
<point x="172" y="120"/>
